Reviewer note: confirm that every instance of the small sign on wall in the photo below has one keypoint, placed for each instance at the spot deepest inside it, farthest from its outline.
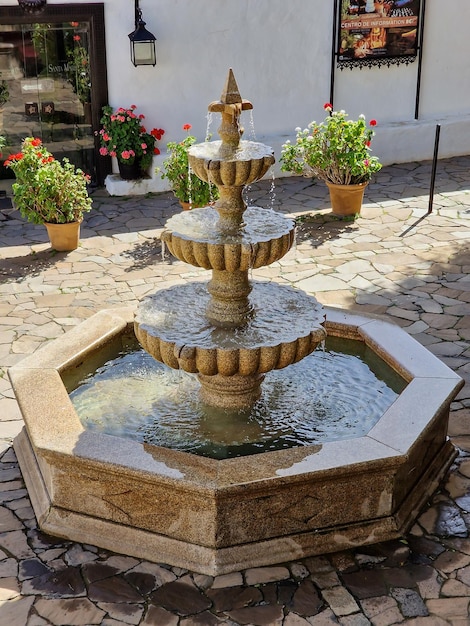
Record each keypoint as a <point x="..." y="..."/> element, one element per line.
<point x="31" y="109"/>
<point x="39" y="85"/>
<point x="47" y="108"/>
<point x="377" y="32"/>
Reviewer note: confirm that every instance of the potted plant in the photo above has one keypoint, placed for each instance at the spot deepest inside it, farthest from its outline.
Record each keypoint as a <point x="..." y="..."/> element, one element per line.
<point x="336" y="151"/>
<point x="123" y="136"/>
<point x="50" y="192"/>
<point x="191" y="191"/>
<point x="77" y="69"/>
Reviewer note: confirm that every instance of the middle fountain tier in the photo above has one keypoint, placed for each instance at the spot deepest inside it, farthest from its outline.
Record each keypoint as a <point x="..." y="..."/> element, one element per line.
<point x="232" y="330"/>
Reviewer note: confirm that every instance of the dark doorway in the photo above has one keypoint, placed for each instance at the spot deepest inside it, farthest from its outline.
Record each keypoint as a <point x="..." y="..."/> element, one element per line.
<point x="53" y="73"/>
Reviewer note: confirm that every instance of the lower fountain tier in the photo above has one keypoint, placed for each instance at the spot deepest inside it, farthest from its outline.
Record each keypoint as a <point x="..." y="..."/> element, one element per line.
<point x="285" y="326"/>
<point x="194" y="237"/>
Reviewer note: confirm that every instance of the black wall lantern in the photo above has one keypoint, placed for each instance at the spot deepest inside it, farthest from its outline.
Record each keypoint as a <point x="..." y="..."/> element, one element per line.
<point x="142" y="42"/>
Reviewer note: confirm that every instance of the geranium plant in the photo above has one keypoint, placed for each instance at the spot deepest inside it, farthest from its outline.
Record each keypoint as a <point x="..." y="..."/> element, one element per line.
<point x="336" y="150"/>
<point x="47" y="190"/>
<point x="124" y="136"/>
<point x="186" y="186"/>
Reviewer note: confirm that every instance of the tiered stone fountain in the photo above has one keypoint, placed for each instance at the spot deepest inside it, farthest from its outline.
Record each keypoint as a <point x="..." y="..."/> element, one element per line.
<point x="216" y="516"/>
<point x="236" y="335"/>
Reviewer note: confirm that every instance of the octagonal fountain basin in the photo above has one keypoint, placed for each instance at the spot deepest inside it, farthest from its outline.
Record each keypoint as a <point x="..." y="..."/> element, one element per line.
<point x="220" y="515"/>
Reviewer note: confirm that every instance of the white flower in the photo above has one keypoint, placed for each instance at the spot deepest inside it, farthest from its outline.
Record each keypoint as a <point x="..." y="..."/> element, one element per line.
<point x="362" y="116"/>
<point x="298" y="129"/>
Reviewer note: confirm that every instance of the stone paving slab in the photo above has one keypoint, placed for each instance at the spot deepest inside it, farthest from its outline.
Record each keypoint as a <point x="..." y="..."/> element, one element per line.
<point x="395" y="261"/>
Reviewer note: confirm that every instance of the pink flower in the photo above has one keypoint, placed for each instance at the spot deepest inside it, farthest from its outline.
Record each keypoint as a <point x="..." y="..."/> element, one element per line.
<point x="143" y="146"/>
<point x="112" y="153"/>
<point x="106" y="137"/>
<point x="103" y="151"/>
<point x="366" y="162"/>
<point x="125" y="154"/>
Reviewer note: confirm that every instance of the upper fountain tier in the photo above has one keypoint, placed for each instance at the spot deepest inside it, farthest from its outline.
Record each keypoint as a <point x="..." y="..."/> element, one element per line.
<point x="230" y="163"/>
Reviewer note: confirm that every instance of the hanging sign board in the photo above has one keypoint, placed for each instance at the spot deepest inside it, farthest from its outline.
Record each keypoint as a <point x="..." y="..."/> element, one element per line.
<point x="377" y="32"/>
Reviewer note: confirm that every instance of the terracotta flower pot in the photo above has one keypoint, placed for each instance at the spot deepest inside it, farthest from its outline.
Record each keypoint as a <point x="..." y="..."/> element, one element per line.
<point x="64" y="237"/>
<point x="346" y="199"/>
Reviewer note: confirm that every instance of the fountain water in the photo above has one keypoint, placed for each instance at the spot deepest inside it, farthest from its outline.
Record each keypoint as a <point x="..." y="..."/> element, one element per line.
<point x="216" y="516"/>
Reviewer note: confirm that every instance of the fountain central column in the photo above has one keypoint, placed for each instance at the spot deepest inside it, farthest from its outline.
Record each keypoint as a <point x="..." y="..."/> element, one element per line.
<point x="229" y="306"/>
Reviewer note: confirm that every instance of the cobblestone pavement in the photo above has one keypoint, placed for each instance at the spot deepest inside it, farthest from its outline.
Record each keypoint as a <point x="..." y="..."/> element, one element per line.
<point x="394" y="261"/>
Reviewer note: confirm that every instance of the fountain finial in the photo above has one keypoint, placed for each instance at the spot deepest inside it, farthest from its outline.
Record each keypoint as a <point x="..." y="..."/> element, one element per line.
<point x="230" y="93"/>
<point x="230" y="106"/>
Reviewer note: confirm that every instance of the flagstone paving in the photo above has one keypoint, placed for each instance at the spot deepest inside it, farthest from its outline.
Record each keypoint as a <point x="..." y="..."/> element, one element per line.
<point x="395" y="261"/>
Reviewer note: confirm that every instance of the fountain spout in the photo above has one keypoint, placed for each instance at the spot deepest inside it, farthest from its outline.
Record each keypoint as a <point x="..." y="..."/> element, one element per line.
<point x="230" y="106"/>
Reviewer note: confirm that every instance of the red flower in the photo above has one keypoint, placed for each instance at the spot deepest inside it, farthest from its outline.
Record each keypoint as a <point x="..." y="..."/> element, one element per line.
<point x="74" y="24"/>
<point x="368" y="144"/>
<point x="156" y="151"/>
<point x="327" y="106"/>
<point x="187" y="127"/>
<point x="13" y="157"/>
<point x="36" y="142"/>
<point x="373" y="123"/>
<point x="76" y="37"/>
<point x="157" y="133"/>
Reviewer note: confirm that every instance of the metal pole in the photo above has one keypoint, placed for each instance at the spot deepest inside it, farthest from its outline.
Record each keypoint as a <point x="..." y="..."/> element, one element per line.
<point x="333" y="51"/>
<point x="420" y="57"/>
<point x="434" y="166"/>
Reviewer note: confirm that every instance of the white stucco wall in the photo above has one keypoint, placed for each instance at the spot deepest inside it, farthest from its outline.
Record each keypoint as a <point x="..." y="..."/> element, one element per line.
<point x="280" y="52"/>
